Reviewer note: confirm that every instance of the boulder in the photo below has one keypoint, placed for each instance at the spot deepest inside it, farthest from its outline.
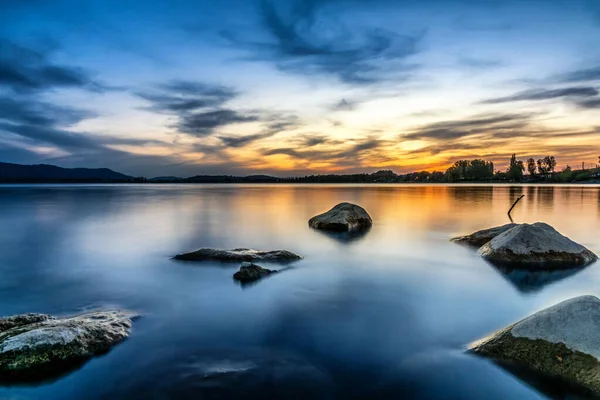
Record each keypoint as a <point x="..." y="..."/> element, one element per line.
<point x="562" y="342"/>
<point x="343" y="217"/>
<point x="35" y="345"/>
<point x="238" y="255"/>
<point x="250" y="272"/>
<point x="537" y="243"/>
<point x="481" y="237"/>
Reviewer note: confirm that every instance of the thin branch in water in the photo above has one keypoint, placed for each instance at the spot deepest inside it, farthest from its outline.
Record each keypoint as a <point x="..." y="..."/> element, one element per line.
<point x="513" y="206"/>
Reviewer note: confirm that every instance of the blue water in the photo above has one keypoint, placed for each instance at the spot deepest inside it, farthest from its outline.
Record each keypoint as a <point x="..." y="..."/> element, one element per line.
<point x="386" y="315"/>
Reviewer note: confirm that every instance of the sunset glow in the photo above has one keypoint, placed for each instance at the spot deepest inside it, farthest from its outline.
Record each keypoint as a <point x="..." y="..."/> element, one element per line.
<point x="297" y="87"/>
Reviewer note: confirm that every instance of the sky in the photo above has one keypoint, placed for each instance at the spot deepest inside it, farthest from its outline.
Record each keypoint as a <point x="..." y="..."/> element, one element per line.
<point x="296" y="87"/>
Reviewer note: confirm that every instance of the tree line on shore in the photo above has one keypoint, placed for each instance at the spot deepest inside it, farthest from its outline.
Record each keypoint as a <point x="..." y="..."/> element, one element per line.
<point x="477" y="170"/>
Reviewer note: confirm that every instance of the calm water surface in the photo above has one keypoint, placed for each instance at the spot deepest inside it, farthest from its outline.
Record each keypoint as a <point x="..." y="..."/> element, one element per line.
<point x="382" y="315"/>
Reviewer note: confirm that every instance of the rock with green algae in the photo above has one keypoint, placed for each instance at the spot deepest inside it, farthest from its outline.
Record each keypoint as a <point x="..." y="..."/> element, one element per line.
<point x="33" y="346"/>
<point x="562" y="341"/>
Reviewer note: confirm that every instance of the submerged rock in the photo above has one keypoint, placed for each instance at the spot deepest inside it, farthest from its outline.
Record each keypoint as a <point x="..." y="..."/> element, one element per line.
<point x="562" y="341"/>
<point x="343" y="217"/>
<point x="251" y="272"/>
<point x="239" y="255"/>
<point x="536" y="244"/>
<point x="483" y="236"/>
<point x="33" y="346"/>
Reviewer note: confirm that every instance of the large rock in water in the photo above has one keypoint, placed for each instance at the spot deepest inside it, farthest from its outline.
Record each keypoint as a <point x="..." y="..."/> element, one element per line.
<point x="536" y="244"/>
<point x="35" y="346"/>
<point x="250" y="272"/>
<point x="562" y="341"/>
<point x="343" y="217"/>
<point x="483" y="236"/>
<point x="238" y="255"/>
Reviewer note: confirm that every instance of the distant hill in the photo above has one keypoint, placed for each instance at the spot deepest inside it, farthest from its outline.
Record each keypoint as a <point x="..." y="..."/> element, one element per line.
<point x="14" y="173"/>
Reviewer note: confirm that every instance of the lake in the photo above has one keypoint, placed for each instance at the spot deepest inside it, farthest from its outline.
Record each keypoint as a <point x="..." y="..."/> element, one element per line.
<point x="386" y="314"/>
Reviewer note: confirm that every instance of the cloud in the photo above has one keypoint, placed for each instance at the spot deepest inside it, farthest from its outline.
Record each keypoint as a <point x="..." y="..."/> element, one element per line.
<point x="582" y="75"/>
<point x="184" y="96"/>
<point x="589" y="103"/>
<point x="349" y="155"/>
<point x="315" y="140"/>
<point x="306" y="41"/>
<point x="37" y="122"/>
<point x="199" y="107"/>
<point x="276" y="125"/>
<point x="489" y="124"/>
<point x="344" y="105"/>
<point x="27" y="110"/>
<point x="546" y="94"/>
<point x="27" y="70"/>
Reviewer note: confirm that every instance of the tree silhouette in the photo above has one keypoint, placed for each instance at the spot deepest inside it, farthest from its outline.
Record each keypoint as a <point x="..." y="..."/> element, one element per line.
<point x="531" y="166"/>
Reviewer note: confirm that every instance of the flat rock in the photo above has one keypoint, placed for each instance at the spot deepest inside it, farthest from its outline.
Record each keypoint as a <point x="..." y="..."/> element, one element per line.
<point x="483" y="236"/>
<point x="342" y="217"/>
<point x="562" y="341"/>
<point x="537" y="243"/>
<point x="35" y="345"/>
<point x="250" y="272"/>
<point x="239" y="255"/>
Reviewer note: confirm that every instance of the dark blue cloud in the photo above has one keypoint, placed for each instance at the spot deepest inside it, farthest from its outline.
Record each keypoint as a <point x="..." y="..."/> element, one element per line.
<point x="199" y="107"/>
<point x="276" y="125"/>
<point x="307" y="41"/>
<point x="24" y="69"/>
<point x="582" y="75"/>
<point x="488" y="124"/>
<point x="546" y="94"/>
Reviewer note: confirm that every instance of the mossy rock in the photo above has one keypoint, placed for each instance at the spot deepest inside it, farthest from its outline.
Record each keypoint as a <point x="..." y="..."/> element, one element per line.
<point x="562" y="341"/>
<point x="33" y="346"/>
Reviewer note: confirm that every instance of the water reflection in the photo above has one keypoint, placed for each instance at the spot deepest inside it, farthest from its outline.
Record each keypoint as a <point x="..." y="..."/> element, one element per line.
<point x="527" y="280"/>
<point x="346" y="237"/>
<point x="363" y="310"/>
<point x="552" y="387"/>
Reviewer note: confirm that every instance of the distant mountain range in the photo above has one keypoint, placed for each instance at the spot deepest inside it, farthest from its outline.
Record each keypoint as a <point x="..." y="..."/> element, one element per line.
<point x="17" y="173"/>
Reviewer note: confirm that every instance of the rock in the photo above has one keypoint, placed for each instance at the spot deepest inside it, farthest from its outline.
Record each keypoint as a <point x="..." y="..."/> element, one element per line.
<point x="562" y="341"/>
<point x="35" y="345"/>
<point x="343" y="217"/>
<point x="239" y="255"/>
<point x="481" y="237"/>
<point x="251" y="272"/>
<point x="537" y="243"/>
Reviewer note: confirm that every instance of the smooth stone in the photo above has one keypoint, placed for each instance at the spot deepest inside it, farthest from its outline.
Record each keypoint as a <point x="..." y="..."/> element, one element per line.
<point x="342" y="217"/>
<point x="34" y="346"/>
<point x="251" y="272"/>
<point x="239" y="255"/>
<point x="537" y="243"/>
<point x="562" y="341"/>
<point x="483" y="236"/>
